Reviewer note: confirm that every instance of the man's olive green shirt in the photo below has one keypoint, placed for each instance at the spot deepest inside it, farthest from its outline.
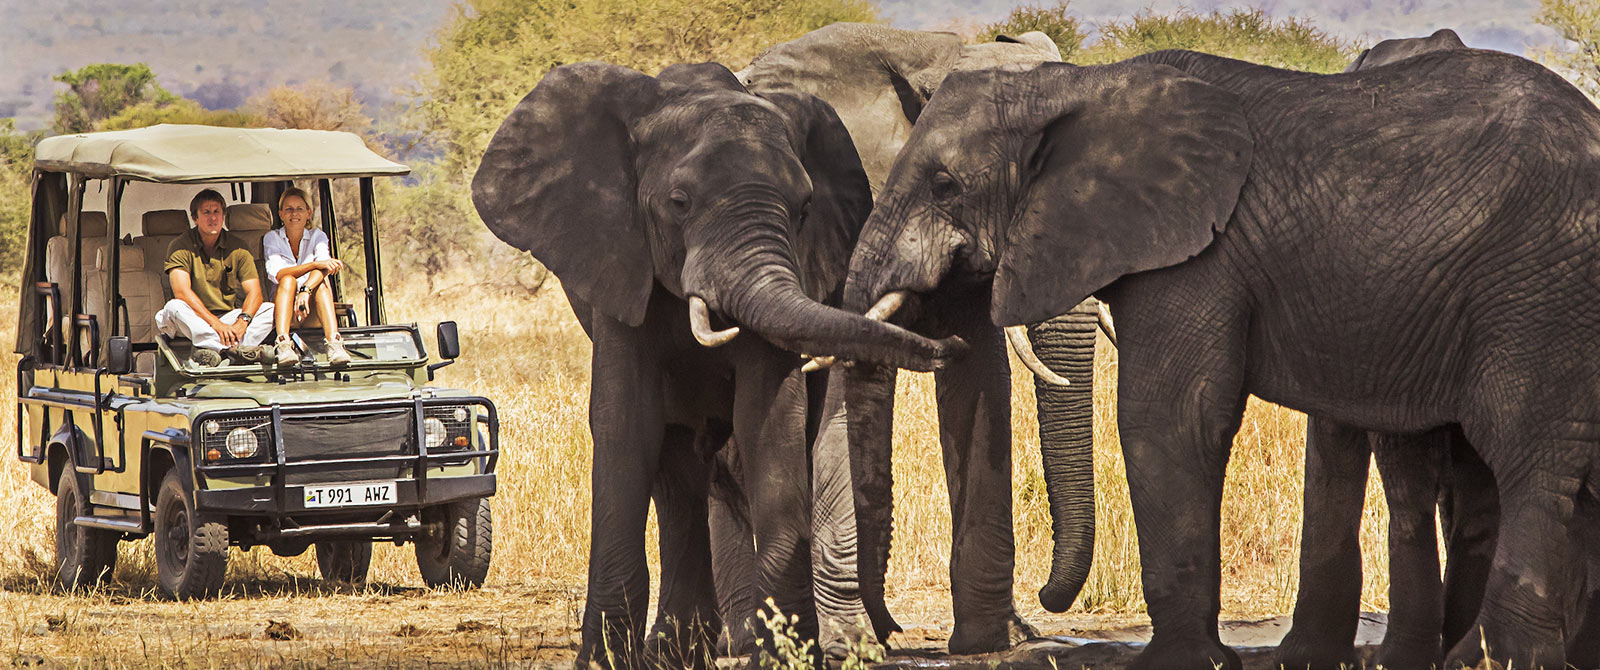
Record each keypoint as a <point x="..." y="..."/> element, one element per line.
<point x="218" y="277"/>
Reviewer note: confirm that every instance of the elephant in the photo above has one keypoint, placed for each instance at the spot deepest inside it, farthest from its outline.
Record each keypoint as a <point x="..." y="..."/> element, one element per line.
<point x="1395" y="250"/>
<point x="1423" y="622"/>
<point x="879" y="79"/>
<point x="669" y="207"/>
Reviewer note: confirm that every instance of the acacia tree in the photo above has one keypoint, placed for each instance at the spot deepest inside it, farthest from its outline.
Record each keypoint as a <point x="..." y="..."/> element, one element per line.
<point x="100" y="91"/>
<point x="1578" y="21"/>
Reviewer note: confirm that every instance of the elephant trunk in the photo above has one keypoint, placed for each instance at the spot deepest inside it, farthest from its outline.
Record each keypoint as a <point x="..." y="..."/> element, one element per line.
<point x="1066" y="444"/>
<point x="761" y="290"/>
<point x="869" y="397"/>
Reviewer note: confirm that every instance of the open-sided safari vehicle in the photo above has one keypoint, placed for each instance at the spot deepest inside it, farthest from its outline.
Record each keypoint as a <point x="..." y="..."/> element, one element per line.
<point x="134" y="439"/>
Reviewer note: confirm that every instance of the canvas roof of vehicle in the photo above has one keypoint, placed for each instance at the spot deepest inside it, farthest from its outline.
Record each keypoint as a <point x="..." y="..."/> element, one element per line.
<point x="171" y="153"/>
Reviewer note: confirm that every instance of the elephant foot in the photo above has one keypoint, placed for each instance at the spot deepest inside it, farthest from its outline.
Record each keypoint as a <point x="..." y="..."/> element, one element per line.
<point x="1409" y="653"/>
<point x="1301" y="649"/>
<point x="983" y="637"/>
<point x="736" y="641"/>
<point x="1188" y="654"/>
<point x="844" y="640"/>
<point x="673" y="644"/>
<point x="1506" y="652"/>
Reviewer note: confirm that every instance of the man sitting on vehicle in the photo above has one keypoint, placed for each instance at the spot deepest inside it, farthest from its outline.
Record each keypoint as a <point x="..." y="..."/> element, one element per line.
<point x="217" y="300"/>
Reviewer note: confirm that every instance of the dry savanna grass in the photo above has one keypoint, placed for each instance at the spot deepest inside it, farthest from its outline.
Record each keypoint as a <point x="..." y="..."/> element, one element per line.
<point x="529" y="355"/>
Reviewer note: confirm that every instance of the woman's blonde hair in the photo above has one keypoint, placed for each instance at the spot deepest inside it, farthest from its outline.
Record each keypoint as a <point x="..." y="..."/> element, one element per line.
<point x="297" y="192"/>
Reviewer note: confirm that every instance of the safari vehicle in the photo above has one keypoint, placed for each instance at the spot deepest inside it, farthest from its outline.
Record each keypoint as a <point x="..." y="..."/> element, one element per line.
<point x="134" y="439"/>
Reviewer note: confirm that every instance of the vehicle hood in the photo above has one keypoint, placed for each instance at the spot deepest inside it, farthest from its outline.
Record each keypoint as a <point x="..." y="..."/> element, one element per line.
<point x="377" y="387"/>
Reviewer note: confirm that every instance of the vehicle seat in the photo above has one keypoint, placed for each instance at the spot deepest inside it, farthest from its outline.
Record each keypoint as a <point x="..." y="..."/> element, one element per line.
<point x="58" y="253"/>
<point x="249" y="222"/>
<point x="140" y="289"/>
<point x="157" y="231"/>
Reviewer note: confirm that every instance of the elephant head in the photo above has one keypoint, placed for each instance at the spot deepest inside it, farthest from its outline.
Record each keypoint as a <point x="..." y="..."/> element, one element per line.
<point x="1389" y="51"/>
<point x="879" y="78"/>
<point x="745" y="206"/>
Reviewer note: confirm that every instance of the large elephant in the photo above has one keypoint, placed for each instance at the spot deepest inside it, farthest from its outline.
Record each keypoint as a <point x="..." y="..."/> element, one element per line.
<point x="660" y="203"/>
<point x="1395" y="250"/>
<point x="879" y="79"/>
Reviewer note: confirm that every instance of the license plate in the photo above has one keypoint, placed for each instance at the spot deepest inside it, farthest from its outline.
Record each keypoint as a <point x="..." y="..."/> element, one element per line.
<point x="350" y="495"/>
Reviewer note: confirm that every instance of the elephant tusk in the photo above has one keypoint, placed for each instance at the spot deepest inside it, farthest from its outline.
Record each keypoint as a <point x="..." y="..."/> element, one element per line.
<point x="1017" y="336"/>
<point x="1106" y="325"/>
<point x="700" y="324"/>
<point x="817" y="363"/>
<point x="887" y="305"/>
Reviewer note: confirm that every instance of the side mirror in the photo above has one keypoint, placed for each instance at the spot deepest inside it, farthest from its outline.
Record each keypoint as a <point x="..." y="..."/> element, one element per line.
<point x="449" y="346"/>
<point x="119" y="355"/>
<point x="449" y="342"/>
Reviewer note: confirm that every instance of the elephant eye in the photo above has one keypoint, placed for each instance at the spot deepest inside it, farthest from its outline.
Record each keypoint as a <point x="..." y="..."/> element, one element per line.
<point x="944" y="186"/>
<point x="679" y="200"/>
<point x="805" y="212"/>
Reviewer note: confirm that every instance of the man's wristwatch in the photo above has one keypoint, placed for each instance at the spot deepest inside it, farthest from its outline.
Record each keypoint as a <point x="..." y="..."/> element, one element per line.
<point x="247" y="317"/>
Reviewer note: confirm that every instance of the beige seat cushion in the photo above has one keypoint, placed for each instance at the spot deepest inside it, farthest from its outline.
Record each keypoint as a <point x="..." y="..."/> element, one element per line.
<point x="140" y="289"/>
<point x="157" y="231"/>
<point x="249" y="222"/>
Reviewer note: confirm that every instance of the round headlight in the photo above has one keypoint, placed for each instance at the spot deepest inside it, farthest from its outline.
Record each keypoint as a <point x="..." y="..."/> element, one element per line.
<point x="211" y="427"/>
<point x="243" y="443"/>
<point x="433" y="432"/>
<point x="460" y="415"/>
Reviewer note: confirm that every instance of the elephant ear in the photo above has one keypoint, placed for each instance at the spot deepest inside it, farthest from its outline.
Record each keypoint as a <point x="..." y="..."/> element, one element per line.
<point x="840" y="197"/>
<point x="1135" y="168"/>
<point x="558" y="181"/>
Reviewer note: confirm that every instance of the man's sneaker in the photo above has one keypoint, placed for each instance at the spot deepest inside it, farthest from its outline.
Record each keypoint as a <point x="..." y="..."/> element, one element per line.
<point x="286" y="353"/>
<point x="205" y="358"/>
<point x="249" y="353"/>
<point x="336" y="353"/>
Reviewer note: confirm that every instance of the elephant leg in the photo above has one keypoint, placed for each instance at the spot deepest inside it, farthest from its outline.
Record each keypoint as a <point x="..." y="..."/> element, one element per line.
<point x="842" y="617"/>
<point x="1522" y="619"/>
<point x="626" y="421"/>
<point x="733" y="555"/>
<point x="1181" y="397"/>
<point x="1469" y="515"/>
<point x="1411" y="466"/>
<point x="1583" y="621"/>
<point x="1328" y="605"/>
<point x="769" y="424"/>
<point x="974" y="398"/>
<point x="687" y="622"/>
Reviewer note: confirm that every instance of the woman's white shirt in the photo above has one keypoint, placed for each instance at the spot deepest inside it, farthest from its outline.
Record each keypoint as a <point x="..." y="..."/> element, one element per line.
<point x="275" y="244"/>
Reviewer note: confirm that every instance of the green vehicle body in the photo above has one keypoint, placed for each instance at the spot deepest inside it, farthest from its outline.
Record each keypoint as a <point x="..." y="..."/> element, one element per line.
<point x="119" y="409"/>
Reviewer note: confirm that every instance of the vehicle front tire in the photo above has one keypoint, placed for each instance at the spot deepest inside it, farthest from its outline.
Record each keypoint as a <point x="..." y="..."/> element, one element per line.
<point x="455" y="544"/>
<point x="191" y="547"/>
<point x="84" y="556"/>
<point x="344" y="560"/>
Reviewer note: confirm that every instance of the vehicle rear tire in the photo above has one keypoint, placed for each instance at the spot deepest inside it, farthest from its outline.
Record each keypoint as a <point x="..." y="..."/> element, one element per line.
<point x="455" y="544"/>
<point x="191" y="547"/>
<point x="344" y="560"/>
<point x="84" y="556"/>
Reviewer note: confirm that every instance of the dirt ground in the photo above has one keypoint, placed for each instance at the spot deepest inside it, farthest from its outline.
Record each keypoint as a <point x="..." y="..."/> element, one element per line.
<point x="307" y="624"/>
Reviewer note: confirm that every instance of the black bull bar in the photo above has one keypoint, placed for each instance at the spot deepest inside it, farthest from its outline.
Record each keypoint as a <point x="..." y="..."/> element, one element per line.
<point x="415" y="492"/>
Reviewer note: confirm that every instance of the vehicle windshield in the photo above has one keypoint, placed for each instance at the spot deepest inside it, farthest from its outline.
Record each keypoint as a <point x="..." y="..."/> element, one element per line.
<point x="388" y="347"/>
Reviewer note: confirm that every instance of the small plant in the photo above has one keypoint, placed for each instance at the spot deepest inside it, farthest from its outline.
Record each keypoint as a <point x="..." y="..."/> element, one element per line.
<point x="786" y="650"/>
<point x="864" y="649"/>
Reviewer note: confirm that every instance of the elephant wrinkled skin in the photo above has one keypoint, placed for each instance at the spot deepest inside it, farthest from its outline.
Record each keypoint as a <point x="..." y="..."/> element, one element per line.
<point x="1395" y="250"/>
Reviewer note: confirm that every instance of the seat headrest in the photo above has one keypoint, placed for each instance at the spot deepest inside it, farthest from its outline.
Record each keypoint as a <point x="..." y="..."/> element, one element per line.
<point x="132" y="259"/>
<point x="165" y="222"/>
<point x="93" y="223"/>
<point x="249" y="216"/>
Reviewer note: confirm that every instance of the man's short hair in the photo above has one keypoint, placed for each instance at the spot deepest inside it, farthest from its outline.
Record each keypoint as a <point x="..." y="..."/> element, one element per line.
<point x="208" y="195"/>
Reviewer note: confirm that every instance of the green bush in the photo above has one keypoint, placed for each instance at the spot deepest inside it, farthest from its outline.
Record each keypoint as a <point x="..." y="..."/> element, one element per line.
<point x="1248" y="35"/>
<point x="1064" y="29"/>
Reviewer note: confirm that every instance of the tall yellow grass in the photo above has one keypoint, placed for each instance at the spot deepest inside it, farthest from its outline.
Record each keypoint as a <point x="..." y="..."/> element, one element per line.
<point x="529" y="355"/>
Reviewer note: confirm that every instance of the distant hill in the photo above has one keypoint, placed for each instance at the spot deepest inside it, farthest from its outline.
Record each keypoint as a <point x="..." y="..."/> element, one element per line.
<point x="217" y="52"/>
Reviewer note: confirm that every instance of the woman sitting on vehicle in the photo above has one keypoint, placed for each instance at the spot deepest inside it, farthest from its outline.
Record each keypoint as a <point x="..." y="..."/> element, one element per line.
<point x="299" y="262"/>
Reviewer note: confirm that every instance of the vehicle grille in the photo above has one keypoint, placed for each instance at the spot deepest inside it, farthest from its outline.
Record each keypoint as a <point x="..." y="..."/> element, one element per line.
<point x="352" y="435"/>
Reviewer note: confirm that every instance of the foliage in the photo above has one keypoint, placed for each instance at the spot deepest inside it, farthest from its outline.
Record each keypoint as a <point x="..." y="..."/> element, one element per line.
<point x="789" y="650"/>
<point x="494" y="51"/>
<point x="317" y="105"/>
<point x="1248" y="35"/>
<point x="100" y="91"/>
<point x="16" y="167"/>
<point x="1053" y="21"/>
<point x="1578" y="21"/>
<point x="181" y="110"/>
